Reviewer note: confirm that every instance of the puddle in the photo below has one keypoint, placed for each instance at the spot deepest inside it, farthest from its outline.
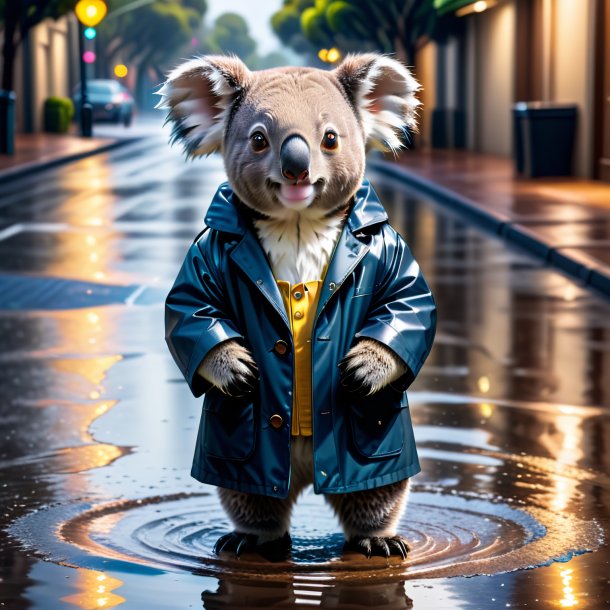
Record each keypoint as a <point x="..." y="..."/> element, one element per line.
<point x="451" y="533"/>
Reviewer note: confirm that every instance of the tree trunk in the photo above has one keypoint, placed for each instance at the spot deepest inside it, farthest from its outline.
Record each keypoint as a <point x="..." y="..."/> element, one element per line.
<point x="9" y="48"/>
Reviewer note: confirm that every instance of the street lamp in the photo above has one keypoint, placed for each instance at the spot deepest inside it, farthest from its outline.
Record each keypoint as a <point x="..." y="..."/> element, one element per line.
<point x="89" y="13"/>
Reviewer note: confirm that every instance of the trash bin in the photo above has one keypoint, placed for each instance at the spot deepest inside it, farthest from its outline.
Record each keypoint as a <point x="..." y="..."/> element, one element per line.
<point x="7" y="121"/>
<point x="543" y="135"/>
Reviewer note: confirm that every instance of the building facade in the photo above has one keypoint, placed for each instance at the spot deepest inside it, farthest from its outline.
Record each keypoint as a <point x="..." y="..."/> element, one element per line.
<point x="46" y="65"/>
<point x="520" y="50"/>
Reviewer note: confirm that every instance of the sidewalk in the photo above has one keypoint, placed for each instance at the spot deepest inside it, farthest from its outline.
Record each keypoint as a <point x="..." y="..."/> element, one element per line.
<point x="38" y="151"/>
<point x="565" y="221"/>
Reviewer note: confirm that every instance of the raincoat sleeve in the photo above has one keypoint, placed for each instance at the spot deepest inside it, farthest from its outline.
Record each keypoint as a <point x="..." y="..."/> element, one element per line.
<point x="196" y="319"/>
<point x="403" y="313"/>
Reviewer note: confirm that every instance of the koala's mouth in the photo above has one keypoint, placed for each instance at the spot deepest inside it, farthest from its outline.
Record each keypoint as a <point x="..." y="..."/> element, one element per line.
<point x="295" y="196"/>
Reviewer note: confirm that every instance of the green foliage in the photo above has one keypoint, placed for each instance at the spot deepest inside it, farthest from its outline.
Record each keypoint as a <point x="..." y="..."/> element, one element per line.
<point x="391" y="26"/>
<point x="231" y="34"/>
<point x="58" y="112"/>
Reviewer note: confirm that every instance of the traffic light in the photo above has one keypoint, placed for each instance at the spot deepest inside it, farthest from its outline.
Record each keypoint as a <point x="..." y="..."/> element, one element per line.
<point x="90" y="12"/>
<point x="90" y="33"/>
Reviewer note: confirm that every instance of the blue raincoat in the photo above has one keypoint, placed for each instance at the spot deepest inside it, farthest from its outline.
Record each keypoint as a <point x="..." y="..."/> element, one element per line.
<point x="373" y="288"/>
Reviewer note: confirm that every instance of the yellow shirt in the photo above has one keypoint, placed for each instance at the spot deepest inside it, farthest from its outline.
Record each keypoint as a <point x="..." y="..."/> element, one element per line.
<point x="301" y="301"/>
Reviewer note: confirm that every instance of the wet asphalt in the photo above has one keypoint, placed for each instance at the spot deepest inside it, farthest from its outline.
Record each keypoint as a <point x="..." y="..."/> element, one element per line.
<point x="97" y="428"/>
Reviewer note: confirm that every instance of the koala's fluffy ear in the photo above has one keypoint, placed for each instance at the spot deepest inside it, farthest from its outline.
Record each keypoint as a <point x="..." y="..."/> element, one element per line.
<point x="199" y="95"/>
<point x="382" y="91"/>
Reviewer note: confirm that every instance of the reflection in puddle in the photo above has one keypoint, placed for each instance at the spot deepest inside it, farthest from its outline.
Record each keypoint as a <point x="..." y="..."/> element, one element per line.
<point x="96" y="591"/>
<point x="452" y="532"/>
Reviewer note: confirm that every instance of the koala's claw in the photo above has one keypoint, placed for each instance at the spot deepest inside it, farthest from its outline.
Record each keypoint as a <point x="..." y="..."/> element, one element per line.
<point x="368" y="367"/>
<point x="243" y="384"/>
<point x="381" y="546"/>
<point x="231" y="368"/>
<point x="239" y="542"/>
<point x="349" y="378"/>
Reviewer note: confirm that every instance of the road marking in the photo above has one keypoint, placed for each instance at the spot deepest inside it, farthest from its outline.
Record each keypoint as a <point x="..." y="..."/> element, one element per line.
<point x="10" y="231"/>
<point x="131" y="299"/>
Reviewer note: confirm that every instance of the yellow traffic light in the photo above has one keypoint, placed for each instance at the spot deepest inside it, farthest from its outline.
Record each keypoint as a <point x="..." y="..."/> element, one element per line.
<point x="120" y="70"/>
<point x="90" y="12"/>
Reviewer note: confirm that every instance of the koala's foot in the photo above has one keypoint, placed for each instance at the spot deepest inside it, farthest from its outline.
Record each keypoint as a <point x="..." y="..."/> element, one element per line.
<point x="231" y="368"/>
<point x="369" y="366"/>
<point x="382" y="546"/>
<point x="369" y="519"/>
<point x="239" y="542"/>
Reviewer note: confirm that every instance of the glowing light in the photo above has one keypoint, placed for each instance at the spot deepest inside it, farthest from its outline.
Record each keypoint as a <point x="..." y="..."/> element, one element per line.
<point x="90" y="240"/>
<point x="484" y="384"/>
<point x="93" y="317"/>
<point x="90" y="12"/>
<point x="568" y="600"/>
<point x="329" y="55"/>
<point x="121" y="70"/>
<point x="486" y="409"/>
<point x="88" y="57"/>
<point x="333" y="55"/>
<point x="90" y="33"/>
<point x="475" y="7"/>
<point x="93" y="595"/>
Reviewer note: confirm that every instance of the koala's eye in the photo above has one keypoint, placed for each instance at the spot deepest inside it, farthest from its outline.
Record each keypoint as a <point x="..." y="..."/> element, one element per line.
<point x="330" y="141"/>
<point x="258" y="141"/>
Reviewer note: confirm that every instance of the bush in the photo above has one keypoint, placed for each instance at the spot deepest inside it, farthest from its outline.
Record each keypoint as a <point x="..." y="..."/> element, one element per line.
<point x="58" y="112"/>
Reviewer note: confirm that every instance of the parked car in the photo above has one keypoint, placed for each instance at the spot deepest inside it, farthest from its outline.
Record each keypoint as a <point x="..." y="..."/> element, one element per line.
<point x="110" y="100"/>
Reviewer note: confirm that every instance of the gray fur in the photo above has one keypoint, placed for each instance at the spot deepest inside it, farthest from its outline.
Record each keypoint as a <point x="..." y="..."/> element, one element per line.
<point x="226" y="363"/>
<point x="374" y="364"/>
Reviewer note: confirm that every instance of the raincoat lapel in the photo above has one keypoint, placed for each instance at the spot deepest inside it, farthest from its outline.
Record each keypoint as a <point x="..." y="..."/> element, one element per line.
<point x="250" y="257"/>
<point x="349" y="251"/>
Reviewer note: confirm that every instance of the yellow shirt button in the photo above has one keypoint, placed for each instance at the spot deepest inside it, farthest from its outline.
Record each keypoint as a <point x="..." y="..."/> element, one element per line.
<point x="298" y="315"/>
<point x="298" y="295"/>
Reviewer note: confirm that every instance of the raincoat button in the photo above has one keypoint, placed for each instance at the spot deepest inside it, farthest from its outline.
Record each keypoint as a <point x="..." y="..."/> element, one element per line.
<point x="298" y="315"/>
<point x="332" y="286"/>
<point x="280" y="347"/>
<point x="298" y="296"/>
<point x="275" y="488"/>
<point x="276" y="421"/>
<point x="259" y="282"/>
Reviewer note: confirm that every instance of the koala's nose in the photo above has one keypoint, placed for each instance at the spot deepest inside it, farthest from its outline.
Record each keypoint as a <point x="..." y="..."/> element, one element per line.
<point x="294" y="158"/>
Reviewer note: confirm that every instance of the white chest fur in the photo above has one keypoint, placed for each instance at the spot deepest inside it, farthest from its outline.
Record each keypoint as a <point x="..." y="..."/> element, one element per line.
<point x="299" y="245"/>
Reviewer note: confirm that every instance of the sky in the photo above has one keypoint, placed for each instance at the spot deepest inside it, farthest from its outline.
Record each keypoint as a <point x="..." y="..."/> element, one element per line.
<point x="258" y="15"/>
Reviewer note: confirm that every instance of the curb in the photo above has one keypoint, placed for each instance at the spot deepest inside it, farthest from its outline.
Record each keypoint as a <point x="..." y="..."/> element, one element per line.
<point x="582" y="268"/>
<point x="14" y="173"/>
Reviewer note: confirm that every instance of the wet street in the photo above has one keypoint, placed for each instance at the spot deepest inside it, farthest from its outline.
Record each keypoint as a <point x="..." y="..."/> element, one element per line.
<point x="97" y="426"/>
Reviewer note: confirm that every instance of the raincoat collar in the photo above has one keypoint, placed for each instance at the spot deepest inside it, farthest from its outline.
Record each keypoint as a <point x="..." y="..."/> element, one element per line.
<point x="223" y="215"/>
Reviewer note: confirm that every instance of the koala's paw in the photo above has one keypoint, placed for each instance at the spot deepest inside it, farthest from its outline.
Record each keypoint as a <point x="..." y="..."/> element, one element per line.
<point x="369" y="366"/>
<point x="382" y="546"/>
<point x="231" y="368"/>
<point x="238" y="543"/>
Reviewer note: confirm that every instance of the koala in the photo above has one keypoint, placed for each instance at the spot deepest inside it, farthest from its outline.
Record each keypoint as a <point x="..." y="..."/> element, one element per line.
<point x="299" y="312"/>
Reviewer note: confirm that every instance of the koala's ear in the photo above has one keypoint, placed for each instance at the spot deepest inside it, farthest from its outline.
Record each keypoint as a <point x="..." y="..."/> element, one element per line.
<point x="382" y="91"/>
<point x="199" y="95"/>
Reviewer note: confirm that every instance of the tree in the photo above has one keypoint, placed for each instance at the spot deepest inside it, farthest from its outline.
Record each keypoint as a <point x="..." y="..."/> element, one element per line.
<point x="392" y="26"/>
<point x="148" y="38"/>
<point x="231" y="34"/>
<point x="18" y="18"/>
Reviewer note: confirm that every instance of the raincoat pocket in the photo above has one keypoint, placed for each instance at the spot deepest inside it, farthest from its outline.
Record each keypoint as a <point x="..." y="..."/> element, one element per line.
<point x="376" y="423"/>
<point x="230" y="433"/>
